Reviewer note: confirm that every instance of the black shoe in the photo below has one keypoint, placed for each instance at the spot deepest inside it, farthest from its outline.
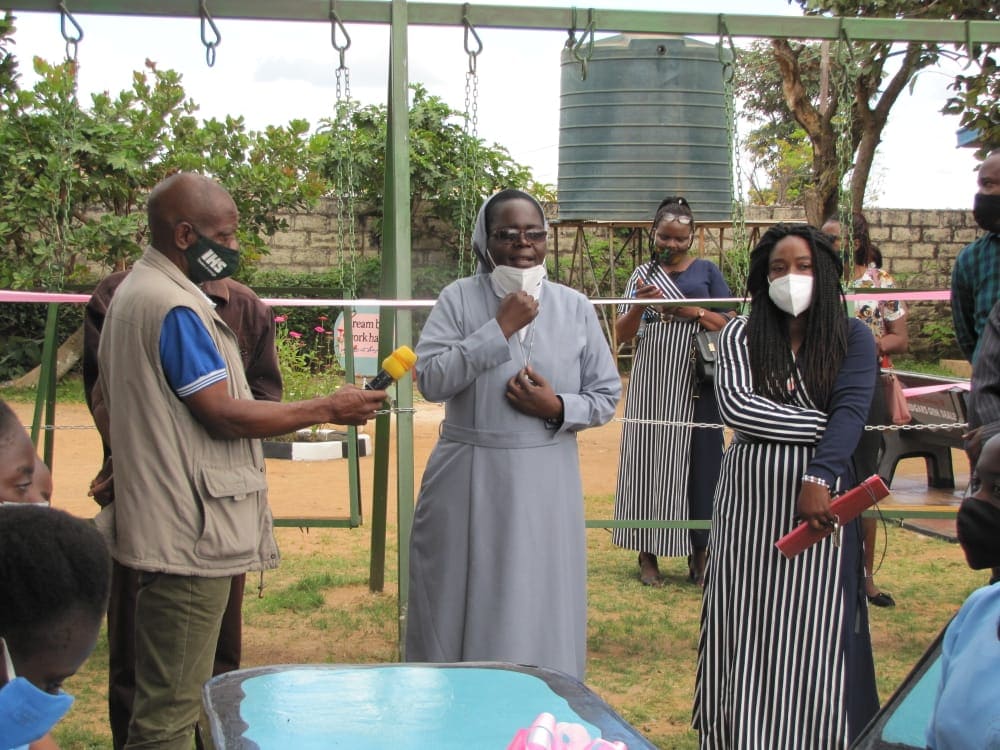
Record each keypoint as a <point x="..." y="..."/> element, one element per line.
<point x="881" y="599"/>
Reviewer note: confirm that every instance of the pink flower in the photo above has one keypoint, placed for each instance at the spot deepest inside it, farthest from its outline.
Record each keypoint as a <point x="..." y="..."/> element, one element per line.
<point x="322" y="317"/>
<point x="294" y="335"/>
<point x="280" y="318"/>
<point x="319" y="329"/>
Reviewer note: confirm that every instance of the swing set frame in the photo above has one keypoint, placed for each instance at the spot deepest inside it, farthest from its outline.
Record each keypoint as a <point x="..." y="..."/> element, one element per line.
<point x="396" y="319"/>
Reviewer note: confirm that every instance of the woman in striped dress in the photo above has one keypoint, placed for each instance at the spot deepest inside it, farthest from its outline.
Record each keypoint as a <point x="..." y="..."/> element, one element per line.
<point x="784" y="658"/>
<point x="668" y="471"/>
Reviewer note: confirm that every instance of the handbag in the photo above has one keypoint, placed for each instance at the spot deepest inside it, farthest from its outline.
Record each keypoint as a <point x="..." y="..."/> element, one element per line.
<point x="895" y="399"/>
<point x="704" y="354"/>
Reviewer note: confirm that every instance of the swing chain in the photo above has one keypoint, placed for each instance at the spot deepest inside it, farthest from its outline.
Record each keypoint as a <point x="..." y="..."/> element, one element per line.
<point x="845" y="147"/>
<point x="470" y="138"/>
<point x="583" y="50"/>
<point x="738" y="257"/>
<point x="72" y="39"/>
<point x="344" y="170"/>
<point x="206" y="23"/>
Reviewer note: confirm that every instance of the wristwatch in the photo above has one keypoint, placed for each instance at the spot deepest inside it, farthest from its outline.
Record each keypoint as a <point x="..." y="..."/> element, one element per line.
<point x="701" y="312"/>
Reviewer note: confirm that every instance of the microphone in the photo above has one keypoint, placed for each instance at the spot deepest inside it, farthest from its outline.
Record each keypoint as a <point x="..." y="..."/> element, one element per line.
<point x="395" y="366"/>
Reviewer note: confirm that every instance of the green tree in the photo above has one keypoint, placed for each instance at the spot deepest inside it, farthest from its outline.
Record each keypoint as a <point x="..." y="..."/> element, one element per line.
<point x="977" y="102"/>
<point x="8" y="63"/>
<point x="866" y="79"/>
<point x="73" y="180"/>
<point x="443" y="184"/>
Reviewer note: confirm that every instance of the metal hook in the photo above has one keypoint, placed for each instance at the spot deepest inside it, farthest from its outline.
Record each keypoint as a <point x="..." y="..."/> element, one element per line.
<point x="843" y="41"/>
<point x="571" y="31"/>
<point x="587" y="39"/>
<point x="728" y="70"/>
<point x="336" y="23"/>
<point x="72" y="41"/>
<point x="470" y="29"/>
<point x="968" y="44"/>
<point x="206" y="22"/>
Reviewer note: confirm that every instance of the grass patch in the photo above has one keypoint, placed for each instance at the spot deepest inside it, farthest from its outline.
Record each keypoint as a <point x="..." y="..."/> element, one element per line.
<point x="68" y="390"/>
<point x="925" y="368"/>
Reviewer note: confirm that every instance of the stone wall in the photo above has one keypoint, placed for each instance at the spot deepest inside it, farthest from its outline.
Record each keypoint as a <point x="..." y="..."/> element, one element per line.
<point x="918" y="248"/>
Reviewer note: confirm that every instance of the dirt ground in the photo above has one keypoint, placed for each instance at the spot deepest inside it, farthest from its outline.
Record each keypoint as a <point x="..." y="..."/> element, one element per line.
<point x="300" y="488"/>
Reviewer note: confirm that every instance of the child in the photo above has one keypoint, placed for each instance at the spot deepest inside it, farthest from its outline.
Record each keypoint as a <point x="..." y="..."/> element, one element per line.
<point x="965" y="711"/>
<point x="55" y="574"/>
<point x="17" y="460"/>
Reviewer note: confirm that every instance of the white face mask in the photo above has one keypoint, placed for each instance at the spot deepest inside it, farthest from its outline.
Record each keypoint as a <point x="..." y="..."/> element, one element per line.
<point x="508" y="279"/>
<point x="792" y="293"/>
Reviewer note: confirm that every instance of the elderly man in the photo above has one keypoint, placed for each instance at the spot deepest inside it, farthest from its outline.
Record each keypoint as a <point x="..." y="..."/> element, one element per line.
<point x="190" y="508"/>
<point x="253" y="323"/>
<point x="975" y="279"/>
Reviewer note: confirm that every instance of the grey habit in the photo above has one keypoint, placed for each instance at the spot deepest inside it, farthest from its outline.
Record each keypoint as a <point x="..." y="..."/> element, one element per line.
<point x="498" y="568"/>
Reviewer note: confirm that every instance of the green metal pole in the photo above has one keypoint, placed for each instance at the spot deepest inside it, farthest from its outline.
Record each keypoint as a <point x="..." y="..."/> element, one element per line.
<point x="353" y="466"/>
<point x="396" y="283"/>
<point x="513" y="16"/>
<point x="45" y="394"/>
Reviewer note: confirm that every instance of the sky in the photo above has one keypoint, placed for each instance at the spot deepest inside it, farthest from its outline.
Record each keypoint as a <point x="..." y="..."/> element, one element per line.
<point x="272" y="72"/>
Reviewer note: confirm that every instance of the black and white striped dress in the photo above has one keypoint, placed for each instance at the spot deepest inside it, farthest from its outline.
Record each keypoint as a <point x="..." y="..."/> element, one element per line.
<point x="654" y="459"/>
<point x="784" y="658"/>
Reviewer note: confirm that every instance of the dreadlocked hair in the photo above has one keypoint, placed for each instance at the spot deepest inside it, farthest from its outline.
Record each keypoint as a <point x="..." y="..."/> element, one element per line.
<point x="824" y="343"/>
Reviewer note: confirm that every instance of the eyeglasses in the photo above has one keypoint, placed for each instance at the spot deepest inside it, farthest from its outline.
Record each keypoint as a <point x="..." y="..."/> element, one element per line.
<point x="679" y="218"/>
<point x="510" y="235"/>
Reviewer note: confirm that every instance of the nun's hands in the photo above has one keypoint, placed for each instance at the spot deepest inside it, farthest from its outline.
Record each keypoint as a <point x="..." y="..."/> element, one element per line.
<point x="517" y="309"/>
<point x="531" y="394"/>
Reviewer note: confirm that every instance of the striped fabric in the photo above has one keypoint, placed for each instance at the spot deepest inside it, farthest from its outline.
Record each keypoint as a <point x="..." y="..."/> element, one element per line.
<point x="654" y="459"/>
<point x="771" y="658"/>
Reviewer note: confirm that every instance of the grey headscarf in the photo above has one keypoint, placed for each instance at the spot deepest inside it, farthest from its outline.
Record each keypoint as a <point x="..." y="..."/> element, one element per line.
<point x="479" y="235"/>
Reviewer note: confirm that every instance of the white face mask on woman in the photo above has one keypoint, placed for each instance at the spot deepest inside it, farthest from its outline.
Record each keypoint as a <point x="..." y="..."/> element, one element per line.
<point x="508" y="279"/>
<point x="792" y="293"/>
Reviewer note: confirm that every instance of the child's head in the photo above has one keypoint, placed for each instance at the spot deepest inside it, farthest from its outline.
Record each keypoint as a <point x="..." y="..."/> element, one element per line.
<point x="17" y="460"/>
<point x="55" y="575"/>
<point x="978" y="520"/>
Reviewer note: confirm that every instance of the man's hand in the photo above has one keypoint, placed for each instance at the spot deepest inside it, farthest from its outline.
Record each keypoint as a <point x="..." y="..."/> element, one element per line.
<point x="517" y="309"/>
<point x="102" y="487"/>
<point x="354" y="406"/>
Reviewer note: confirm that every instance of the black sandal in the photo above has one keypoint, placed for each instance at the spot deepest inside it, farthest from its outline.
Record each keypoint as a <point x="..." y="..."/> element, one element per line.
<point x="881" y="599"/>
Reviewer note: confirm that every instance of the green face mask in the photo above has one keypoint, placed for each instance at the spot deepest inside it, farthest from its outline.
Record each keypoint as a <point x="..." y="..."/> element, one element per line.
<point x="208" y="260"/>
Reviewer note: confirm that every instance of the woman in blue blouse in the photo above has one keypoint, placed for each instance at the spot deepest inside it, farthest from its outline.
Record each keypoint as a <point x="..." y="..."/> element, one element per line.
<point x="666" y="469"/>
<point x="785" y="659"/>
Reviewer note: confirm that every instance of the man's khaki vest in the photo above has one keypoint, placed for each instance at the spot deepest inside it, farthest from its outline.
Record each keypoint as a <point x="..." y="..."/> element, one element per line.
<point x="185" y="503"/>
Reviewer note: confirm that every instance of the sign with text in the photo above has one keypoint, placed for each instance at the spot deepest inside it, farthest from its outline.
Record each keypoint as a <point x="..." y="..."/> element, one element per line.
<point x="364" y="334"/>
